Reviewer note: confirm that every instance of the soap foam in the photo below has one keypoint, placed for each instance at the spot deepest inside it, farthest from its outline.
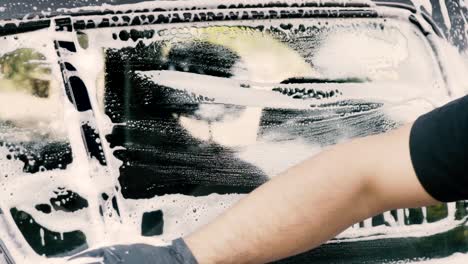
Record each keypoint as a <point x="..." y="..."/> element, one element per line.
<point x="182" y="214"/>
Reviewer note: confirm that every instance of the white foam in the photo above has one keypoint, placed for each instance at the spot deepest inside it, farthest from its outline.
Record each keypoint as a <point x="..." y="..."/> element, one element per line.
<point x="275" y="157"/>
<point x="424" y="3"/>
<point x="183" y="214"/>
<point x="445" y="14"/>
<point x="457" y="258"/>
<point x="231" y="131"/>
<point x="208" y="4"/>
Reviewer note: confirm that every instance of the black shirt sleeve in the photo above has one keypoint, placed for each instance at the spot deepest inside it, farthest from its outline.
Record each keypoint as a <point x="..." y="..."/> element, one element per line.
<point x="439" y="151"/>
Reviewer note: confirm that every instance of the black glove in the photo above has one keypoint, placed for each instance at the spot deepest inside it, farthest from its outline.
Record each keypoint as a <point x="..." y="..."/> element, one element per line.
<point x="177" y="253"/>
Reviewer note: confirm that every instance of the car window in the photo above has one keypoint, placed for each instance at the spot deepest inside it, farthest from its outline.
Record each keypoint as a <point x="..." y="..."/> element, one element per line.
<point x="36" y="160"/>
<point x="204" y="114"/>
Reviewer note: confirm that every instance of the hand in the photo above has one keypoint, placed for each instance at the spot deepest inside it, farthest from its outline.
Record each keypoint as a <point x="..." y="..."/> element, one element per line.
<point x="176" y="253"/>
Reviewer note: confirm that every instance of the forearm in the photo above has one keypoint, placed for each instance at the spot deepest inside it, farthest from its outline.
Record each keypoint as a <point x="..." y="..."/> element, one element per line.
<point x="299" y="209"/>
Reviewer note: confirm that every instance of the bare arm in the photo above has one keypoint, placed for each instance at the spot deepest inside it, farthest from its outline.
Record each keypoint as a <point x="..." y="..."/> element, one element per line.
<point x="314" y="201"/>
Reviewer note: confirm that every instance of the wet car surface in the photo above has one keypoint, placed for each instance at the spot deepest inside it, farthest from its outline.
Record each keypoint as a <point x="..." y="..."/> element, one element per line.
<point x="155" y="120"/>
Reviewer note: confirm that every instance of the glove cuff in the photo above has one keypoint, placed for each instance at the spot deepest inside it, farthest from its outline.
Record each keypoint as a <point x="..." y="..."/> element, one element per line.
<point x="182" y="252"/>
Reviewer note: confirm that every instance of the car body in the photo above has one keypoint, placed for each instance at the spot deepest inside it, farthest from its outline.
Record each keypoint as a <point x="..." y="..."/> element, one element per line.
<point x="149" y="119"/>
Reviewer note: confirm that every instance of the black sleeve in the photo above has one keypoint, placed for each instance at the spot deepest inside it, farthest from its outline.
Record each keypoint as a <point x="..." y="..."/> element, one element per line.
<point x="439" y="151"/>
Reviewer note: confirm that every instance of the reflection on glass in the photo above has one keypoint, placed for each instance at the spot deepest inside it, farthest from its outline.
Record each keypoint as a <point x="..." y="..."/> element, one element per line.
<point x="34" y="150"/>
<point x="31" y="115"/>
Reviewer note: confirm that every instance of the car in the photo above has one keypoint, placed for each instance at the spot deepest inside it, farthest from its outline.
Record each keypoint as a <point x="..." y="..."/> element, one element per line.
<point x="146" y="120"/>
